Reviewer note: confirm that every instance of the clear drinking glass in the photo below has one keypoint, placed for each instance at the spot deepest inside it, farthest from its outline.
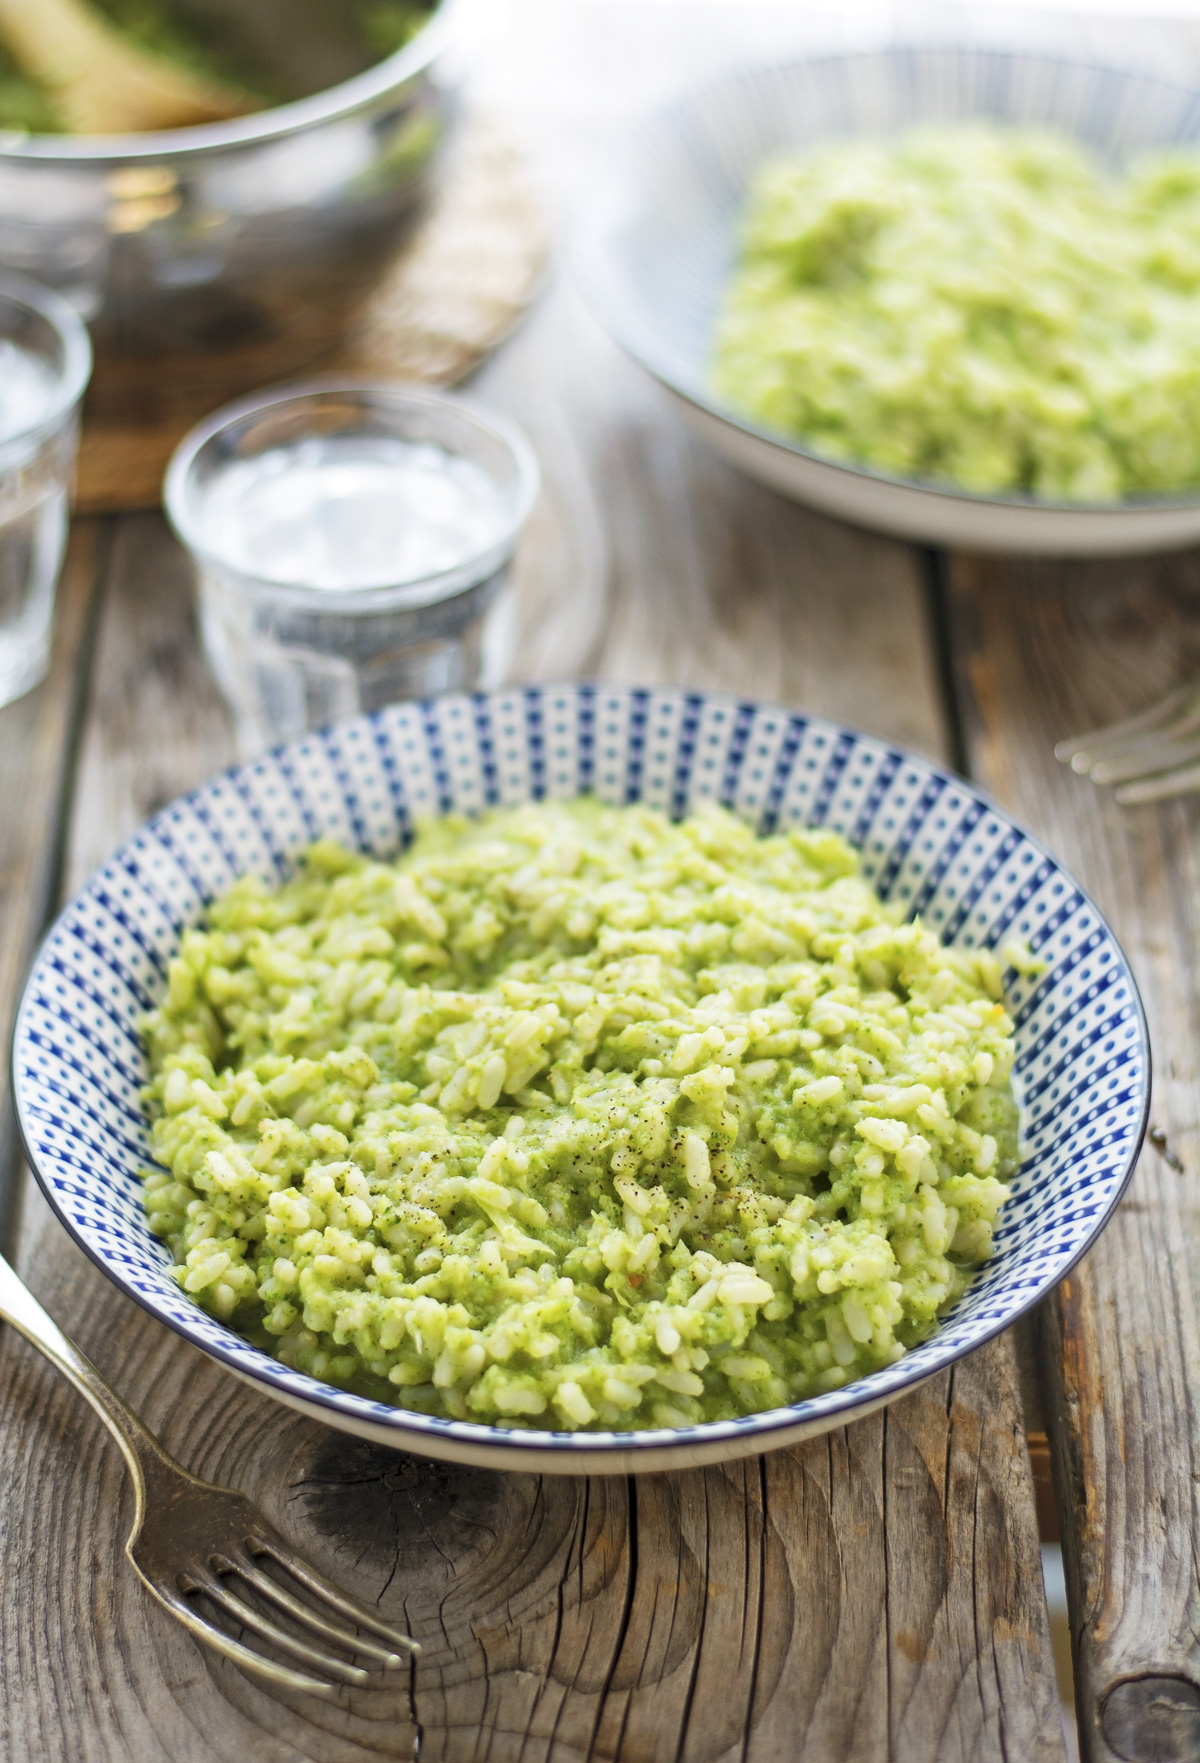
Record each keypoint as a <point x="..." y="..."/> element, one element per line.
<point x="45" y="362"/>
<point x="353" y="545"/>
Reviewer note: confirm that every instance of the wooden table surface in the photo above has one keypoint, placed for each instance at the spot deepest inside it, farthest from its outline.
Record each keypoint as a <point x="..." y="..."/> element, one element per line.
<point x="873" y="1594"/>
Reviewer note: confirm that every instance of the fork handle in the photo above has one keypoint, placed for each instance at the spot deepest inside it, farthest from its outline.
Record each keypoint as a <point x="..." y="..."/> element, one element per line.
<point x="138" y="1444"/>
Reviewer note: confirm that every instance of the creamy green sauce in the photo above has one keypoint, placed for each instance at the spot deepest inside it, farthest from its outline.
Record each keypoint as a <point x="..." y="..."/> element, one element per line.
<point x="982" y="308"/>
<point x="573" y="1117"/>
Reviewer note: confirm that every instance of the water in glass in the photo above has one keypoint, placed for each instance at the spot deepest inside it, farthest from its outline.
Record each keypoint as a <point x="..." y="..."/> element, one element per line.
<point x="339" y="516"/>
<point x="338" y="513"/>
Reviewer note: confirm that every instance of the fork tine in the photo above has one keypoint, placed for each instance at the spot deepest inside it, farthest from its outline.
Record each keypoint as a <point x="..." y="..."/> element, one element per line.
<point x="1122" y="753"/>
<point x="301" y="1612"/>
<point x="201" y="1580"/>
<point x="264" y="1543"/>
<point x="1169" y="729"/>
<point x="1159" y="789"/>
<point x="1128" y="751"/>
<point x="209" y="1635"/>
<point x="1081" y="746"/>
<point x="1145" y="761"/>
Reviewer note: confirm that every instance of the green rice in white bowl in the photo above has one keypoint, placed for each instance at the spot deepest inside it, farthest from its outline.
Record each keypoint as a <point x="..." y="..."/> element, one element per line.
<point x="576" y="1117"/>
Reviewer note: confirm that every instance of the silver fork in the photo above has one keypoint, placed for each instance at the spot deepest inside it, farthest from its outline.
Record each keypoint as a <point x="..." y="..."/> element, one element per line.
<point x="1148" y="757"/>
<point x="191" y="1537"/>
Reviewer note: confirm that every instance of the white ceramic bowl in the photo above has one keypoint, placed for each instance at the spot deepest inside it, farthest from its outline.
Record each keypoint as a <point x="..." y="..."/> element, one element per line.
<point x="657" y="241"/>
<point x="927" y="839"/>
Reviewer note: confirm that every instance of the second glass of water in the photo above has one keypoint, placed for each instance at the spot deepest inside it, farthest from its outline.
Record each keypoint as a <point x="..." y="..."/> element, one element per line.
<point x="45" y="362"/>
<point x="353" y="544"/>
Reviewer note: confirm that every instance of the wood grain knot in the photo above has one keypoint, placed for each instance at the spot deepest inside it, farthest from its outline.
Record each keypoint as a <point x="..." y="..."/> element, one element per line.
<point x="1153" y="1720"/>
<point x="379" y="1502"/>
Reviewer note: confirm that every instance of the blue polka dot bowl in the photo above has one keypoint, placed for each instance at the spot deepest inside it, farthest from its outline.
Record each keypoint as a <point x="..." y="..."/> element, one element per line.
<point x="927" y="839"/>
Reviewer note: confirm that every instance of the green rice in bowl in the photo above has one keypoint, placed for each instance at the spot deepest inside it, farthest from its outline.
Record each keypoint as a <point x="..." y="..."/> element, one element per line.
<point x="576" y="1117"/>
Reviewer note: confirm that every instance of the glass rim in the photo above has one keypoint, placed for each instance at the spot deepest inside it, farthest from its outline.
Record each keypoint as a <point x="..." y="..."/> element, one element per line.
<point x="420" y="590"/>
<point x="70" y="382"/>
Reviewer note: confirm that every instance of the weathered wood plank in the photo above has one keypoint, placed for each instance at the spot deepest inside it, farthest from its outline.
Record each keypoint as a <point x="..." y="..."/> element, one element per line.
<point x="35" y="756"/>
<point x="1044" y="651"/>
<point x="872" y="1594"/>
<point x="715" y="581"/>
